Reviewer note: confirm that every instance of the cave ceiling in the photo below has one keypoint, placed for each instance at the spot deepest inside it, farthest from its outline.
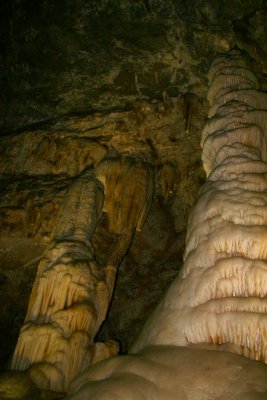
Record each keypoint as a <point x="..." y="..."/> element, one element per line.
<point x="82" y="81"/>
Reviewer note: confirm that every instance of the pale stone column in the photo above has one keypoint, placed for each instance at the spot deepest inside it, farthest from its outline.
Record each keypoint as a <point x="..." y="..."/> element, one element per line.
<point x="220" y="297"/>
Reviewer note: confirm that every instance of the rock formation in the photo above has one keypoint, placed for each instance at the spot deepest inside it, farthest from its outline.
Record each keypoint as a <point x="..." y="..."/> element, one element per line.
<point x="92" y="92"/>
<point x="71" y="293"/>
<point x="219" y="299"/>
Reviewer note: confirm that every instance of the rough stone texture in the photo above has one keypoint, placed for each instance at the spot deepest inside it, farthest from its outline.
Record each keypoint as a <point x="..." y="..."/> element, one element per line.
<point x="83" y="56"/>
<point x="88" y="80"/>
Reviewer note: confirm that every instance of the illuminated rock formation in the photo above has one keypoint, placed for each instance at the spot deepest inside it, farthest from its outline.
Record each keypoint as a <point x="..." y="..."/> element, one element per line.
<point x="219" y="301"/>
<point x="128" y="193"/>
<point x="128" y="186"/>
<point x="69" y="297"/>
<point x="72" y="292"/>
<point x="220" y="297"/>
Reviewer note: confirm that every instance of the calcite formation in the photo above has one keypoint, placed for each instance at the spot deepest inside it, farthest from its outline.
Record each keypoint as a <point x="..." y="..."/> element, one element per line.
<point x="69" y="297"/>
<point x="220" y="297"/>
<point x="129" y="186"/>
<point x="72" y="292"/>
<point x="219" y="300"/>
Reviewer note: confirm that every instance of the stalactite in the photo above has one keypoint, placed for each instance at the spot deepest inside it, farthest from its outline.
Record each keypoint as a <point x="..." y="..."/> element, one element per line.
<point x="166" y="179"/>
<point x="129" y="186"/>
<point x="220" y="296"/>
<point x="190" y="106"/>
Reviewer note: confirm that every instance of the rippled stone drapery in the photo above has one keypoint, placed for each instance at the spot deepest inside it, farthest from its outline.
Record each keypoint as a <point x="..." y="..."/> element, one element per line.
<point x="220" y="297"/>
<point x="71" y="294"/>
<point x="69" y="298"/>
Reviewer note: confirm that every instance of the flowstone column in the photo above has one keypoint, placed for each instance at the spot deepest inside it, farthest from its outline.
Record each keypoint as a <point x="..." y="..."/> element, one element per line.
<point x="71" y="293"/>
<point x="69" y="298"/>
<point x="220" y="297"/>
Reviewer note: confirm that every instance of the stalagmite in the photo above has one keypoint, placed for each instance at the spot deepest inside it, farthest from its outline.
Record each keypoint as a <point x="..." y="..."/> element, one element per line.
<point x="219" y="301"/>
<point x="71" y="294"/>
<point x="69" y="298"/>
<point x="220" y="296"/>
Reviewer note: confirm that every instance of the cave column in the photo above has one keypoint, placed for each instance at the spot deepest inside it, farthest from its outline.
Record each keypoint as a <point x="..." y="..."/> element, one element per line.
<point x="70" y="296"/>
<point x="220" y="298"/>
<point x="72" y="293"/>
